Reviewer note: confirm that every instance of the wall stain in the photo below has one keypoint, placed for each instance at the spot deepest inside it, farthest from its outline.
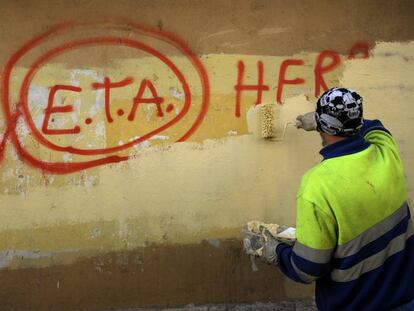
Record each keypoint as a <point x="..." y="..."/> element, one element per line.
<point x="154" y="276"/>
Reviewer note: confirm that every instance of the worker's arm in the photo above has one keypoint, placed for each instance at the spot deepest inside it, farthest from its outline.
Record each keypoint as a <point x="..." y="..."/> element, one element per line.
<point x="375" y="133"/>
<point x="310" y="257"/>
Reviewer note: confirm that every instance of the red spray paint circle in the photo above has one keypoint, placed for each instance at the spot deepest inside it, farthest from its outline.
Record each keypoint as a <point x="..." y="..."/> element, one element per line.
<point x="93" y="42"/>
<point x="22" y="107"/>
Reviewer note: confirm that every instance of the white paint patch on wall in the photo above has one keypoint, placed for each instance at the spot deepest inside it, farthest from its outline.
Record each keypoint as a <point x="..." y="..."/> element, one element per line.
<point x="76" y="76"/>
<point x="7" y="256"/>
<point x="145" y="144"/>
<point x="100" y="129"/>
<point x="76" y="109"/>
<point x="14" y="155"/>
<point x="38" y="97"/>
<point x="88" y="180"/>
<point x="160" y="137"/>
<point x="95" y="233"/>
<point x="67" y="157"/>
<point x="60" y="122"/>
<point x="37" y="102"/>
<point x="21" y="129"/>
<point x="38" y="119"/>
<point x="176" y="93"/>
<point x="134" y="138"/>
<point x="271" y="31"/>
<point x="85" y="73"/>
<point x="99" y="104"/>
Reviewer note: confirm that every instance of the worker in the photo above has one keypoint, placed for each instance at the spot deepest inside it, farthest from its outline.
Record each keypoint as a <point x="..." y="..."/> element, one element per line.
<point x="354" y="234"/>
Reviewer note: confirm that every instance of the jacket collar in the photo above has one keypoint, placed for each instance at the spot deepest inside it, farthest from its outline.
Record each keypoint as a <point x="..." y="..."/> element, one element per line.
<point x="347" y="146"/>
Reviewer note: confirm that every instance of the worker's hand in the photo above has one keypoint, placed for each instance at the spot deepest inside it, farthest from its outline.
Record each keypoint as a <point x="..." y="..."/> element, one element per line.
<point x="252" y="243"/>
<point x="306" y="122"/>
<point x="270" y="244"/>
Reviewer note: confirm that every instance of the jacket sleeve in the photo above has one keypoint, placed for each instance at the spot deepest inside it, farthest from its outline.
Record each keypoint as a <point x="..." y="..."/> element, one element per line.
<point x="316" y="238"/>
<point x="375" y="133"/>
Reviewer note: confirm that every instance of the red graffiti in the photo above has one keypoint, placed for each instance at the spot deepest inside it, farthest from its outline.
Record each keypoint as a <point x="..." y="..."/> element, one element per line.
<point x="359" y="48"/>
<point x="104" y="41"/>
<point x="282" y="76"/>
<point x="50" y="109"/>
<point x="326" y="61"/>
<point x="145" y="91"/>
<point x="22" y="109"/>
<point x="108" y="85"/>
<point x="239" y="87"/>
<point x="320" y="69"/>
<point x="139" y="100"/>
<point x="7" y="133"/>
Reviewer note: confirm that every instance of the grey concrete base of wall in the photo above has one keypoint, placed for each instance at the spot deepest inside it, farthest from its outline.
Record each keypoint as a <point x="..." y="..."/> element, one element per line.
<point x="294" y="305"/>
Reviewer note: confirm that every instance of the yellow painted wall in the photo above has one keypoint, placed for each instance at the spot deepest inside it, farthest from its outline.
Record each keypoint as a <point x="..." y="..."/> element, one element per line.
<point x="168" y="192"/>
<point x="210" y="185"/>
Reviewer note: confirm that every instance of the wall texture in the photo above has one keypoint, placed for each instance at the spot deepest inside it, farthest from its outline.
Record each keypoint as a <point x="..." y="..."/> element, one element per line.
<point x="126" y="166"/>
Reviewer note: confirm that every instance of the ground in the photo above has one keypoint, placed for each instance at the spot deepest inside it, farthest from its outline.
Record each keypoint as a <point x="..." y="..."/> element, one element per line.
<point x="294" y="305"/>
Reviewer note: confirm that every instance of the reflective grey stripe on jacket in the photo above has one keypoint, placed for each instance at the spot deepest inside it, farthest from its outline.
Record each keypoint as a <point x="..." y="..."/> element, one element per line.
<point x="352" y="247"/>
<point x="312" y="254"/>
<point x="396" y="245"/>
<point x="303" y="275"/>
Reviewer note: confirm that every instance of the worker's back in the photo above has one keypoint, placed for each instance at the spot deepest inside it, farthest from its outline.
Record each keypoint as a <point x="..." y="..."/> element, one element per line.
<point x="355" y="235"/>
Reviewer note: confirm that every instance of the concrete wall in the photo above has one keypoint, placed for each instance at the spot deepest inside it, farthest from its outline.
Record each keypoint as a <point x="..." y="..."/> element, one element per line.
<point x="126" y="167"/>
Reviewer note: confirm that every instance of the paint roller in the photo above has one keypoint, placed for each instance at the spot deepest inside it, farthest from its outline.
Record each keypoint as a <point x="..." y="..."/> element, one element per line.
<point x="263" y="121"/>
